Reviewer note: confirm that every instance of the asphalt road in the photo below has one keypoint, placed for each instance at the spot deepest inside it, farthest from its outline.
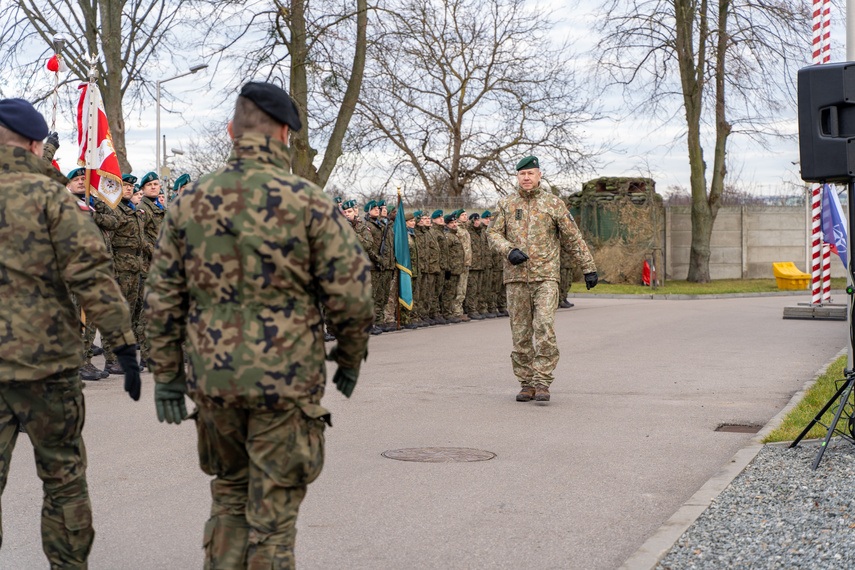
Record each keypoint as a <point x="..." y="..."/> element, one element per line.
<point x="579" y="482"/>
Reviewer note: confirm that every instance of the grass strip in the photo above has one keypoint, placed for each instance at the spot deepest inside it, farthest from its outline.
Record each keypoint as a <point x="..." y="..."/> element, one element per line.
<point x="810" y="405"/>
<point x="716" y="287"/>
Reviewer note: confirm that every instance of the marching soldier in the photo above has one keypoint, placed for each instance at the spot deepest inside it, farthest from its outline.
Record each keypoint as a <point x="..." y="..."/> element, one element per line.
<point x="50" y="252"/>
<point x="257" y="370"/>
<point x="528" y="230"/>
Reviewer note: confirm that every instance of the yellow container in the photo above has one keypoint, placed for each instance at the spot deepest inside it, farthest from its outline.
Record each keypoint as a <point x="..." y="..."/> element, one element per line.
<point x="789" y="277"/>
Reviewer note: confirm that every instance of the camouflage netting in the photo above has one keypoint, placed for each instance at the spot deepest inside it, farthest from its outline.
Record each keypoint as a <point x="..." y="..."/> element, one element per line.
<point x="619" y="218"/>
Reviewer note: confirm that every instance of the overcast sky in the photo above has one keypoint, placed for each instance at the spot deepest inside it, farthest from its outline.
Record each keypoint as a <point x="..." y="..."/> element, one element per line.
<point x="641" y="146"/>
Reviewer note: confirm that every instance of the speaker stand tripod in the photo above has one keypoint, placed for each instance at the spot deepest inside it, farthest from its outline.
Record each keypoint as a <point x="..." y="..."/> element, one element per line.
<point x="845" y="411"/>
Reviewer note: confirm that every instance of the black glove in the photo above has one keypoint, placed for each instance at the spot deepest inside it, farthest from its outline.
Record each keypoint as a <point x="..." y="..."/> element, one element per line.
<point x="127" y="357"/>
<point x="516" y="257"/>
<point x="591" y="279"/>
<point x="53" y="139"/>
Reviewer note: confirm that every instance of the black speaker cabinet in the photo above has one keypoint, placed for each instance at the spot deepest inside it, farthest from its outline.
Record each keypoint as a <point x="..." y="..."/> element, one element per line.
<point x="827" y="122"/>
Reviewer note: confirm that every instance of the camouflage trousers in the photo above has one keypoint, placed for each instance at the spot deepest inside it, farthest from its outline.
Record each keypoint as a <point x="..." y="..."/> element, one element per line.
<point x="532" y="310"/>
<point x="138" y="319"/>
<point x="564" y="284"/>
<point x="436" y="294"/>
<point x="460" y="296"/>
<point x="411" y="315"/>
<point x="475" y="297"/>
<point x="51" y="412"/>
<point x="129" y="283"/>
<point x="263" y="462"/>
<point x="381" y="280"/>
<point x="501" y="292"/>
<point x="390" y="311"/>
<point x="449" y="294"/>
<point x="88" y="334"/>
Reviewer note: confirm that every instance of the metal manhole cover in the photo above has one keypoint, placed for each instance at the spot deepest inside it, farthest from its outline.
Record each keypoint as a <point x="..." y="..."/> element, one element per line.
<point x="735" y="428"/>
<point x="439" y="454"/>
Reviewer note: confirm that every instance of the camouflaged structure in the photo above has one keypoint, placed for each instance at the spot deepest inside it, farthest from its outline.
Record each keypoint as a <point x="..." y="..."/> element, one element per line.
<point x="537" y="223"/>
<point x="245" y="258"/>
<point x="50" y="247"/>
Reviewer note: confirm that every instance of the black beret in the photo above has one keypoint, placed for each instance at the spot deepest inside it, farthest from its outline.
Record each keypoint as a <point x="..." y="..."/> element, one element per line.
<point x="19" y="116"/>
<point x="274" y="101"/>
<point x="474" y="217"/>
<point x="449" y="218"/>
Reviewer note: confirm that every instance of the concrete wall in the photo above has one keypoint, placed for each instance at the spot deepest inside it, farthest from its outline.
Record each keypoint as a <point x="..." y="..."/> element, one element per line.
<point x="745" y="242"/>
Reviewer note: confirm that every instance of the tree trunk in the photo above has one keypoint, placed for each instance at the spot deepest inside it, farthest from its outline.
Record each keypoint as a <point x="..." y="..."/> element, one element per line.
<point x="110" y="81"/>
<point x="304" y="154"/>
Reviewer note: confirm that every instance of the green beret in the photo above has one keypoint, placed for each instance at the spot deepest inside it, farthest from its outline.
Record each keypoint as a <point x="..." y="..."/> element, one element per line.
<point x="409" y="216"/>
<point x="129" y="178"/>
<point x="381" y="203"/>
<point x="369" y="205"/>
<point x="349" y="204"/>
<point x="337" y="200"/>
<point x="528" y="162"/>
<point x="449" y="218"/>
<point x="148" y="178"/>
<point x="137" y="188"/>
<point x="417" y="213"/>
<point x="393" y="209"/>
<point x="487" y="214"/>
<point x="76" y="172"/>
<point x="456" y="213"/>
<point x="436" y="214"/>
<point x="181" y="181"/>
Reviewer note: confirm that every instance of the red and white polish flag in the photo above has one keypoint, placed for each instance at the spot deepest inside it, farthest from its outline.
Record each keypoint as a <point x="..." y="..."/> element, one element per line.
<point x="106" y="178"/>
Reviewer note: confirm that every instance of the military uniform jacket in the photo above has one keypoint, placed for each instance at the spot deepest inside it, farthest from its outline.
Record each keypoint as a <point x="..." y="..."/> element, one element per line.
<point x="246" y="257"/>
<point x="537" y="223"/>
<point x="415" y="263"/>
<point x="477" y="243"/>
<point x="455" y="252"/>
<point x="50" y="247"/>
<point x="128" y="240"/>
<point x="431" y="249"/>
<point x="438" y="232"/>
<point x="377" y="229"/>
<point x="466" y="241"/>
<point x="104" y="217"/>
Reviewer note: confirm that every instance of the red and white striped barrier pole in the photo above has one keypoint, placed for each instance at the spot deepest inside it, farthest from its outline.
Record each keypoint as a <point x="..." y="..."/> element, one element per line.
<point x="826" y="273"/>
<point x="815" y="195"/>
<point x="816" y="246"/>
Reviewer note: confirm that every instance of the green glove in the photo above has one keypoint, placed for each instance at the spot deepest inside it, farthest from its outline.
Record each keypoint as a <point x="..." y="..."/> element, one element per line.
<point x="344" y="378"/>
<point x="169" y="400"/>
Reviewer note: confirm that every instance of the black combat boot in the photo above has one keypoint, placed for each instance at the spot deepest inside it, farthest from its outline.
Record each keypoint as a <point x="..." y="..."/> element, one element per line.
<point x="113" y="367"/>
<point x="89" y="373"/>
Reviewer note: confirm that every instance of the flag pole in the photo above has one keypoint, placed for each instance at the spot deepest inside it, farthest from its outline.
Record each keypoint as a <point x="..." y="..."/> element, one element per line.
<point x="91" y="134"/>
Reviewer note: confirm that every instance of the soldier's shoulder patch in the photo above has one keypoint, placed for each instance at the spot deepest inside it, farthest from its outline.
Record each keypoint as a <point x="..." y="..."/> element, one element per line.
<point x="82" y="205"/>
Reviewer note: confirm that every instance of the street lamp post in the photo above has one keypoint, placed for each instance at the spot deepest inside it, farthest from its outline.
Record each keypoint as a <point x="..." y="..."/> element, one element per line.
<point x="193" y="69"/>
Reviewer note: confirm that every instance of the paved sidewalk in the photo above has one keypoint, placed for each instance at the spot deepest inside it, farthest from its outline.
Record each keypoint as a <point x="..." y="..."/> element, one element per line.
<point x="578" y="483"/>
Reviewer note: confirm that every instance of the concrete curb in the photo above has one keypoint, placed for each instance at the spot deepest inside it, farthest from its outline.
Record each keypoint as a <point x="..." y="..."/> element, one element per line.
<point x="667" y="297"/>
<point x="657" y="546"/>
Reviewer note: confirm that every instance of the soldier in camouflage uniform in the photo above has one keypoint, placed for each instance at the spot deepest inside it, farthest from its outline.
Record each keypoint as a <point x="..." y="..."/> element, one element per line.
<point x="106" y="220"/>
<point x="437" y="230"/>
<point x="129" y="248"/>
<point x="50" y="250"/>
<point x="463" y="283"/>
<point x="152" y="209"/>
<point x="498" y="295"/>
<point x="474" y="289"/>
<point x="381" y="271"/>
<point x="246" y="258"/>
<point x="528" y="230"/>
<point x="455" y="268"/>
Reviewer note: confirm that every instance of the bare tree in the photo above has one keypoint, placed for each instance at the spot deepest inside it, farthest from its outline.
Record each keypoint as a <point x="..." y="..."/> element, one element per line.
<point x="730" y="64"/>
<point x="132" y="36"/>
<point x="458" y="90"/>
<point x="207" y="151"/>
<point x="323" y="46"/>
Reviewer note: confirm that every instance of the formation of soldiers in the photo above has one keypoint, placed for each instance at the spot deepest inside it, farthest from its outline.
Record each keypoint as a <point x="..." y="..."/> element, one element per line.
<point x="129" y="231"/>
<point x="455" y="276"/>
